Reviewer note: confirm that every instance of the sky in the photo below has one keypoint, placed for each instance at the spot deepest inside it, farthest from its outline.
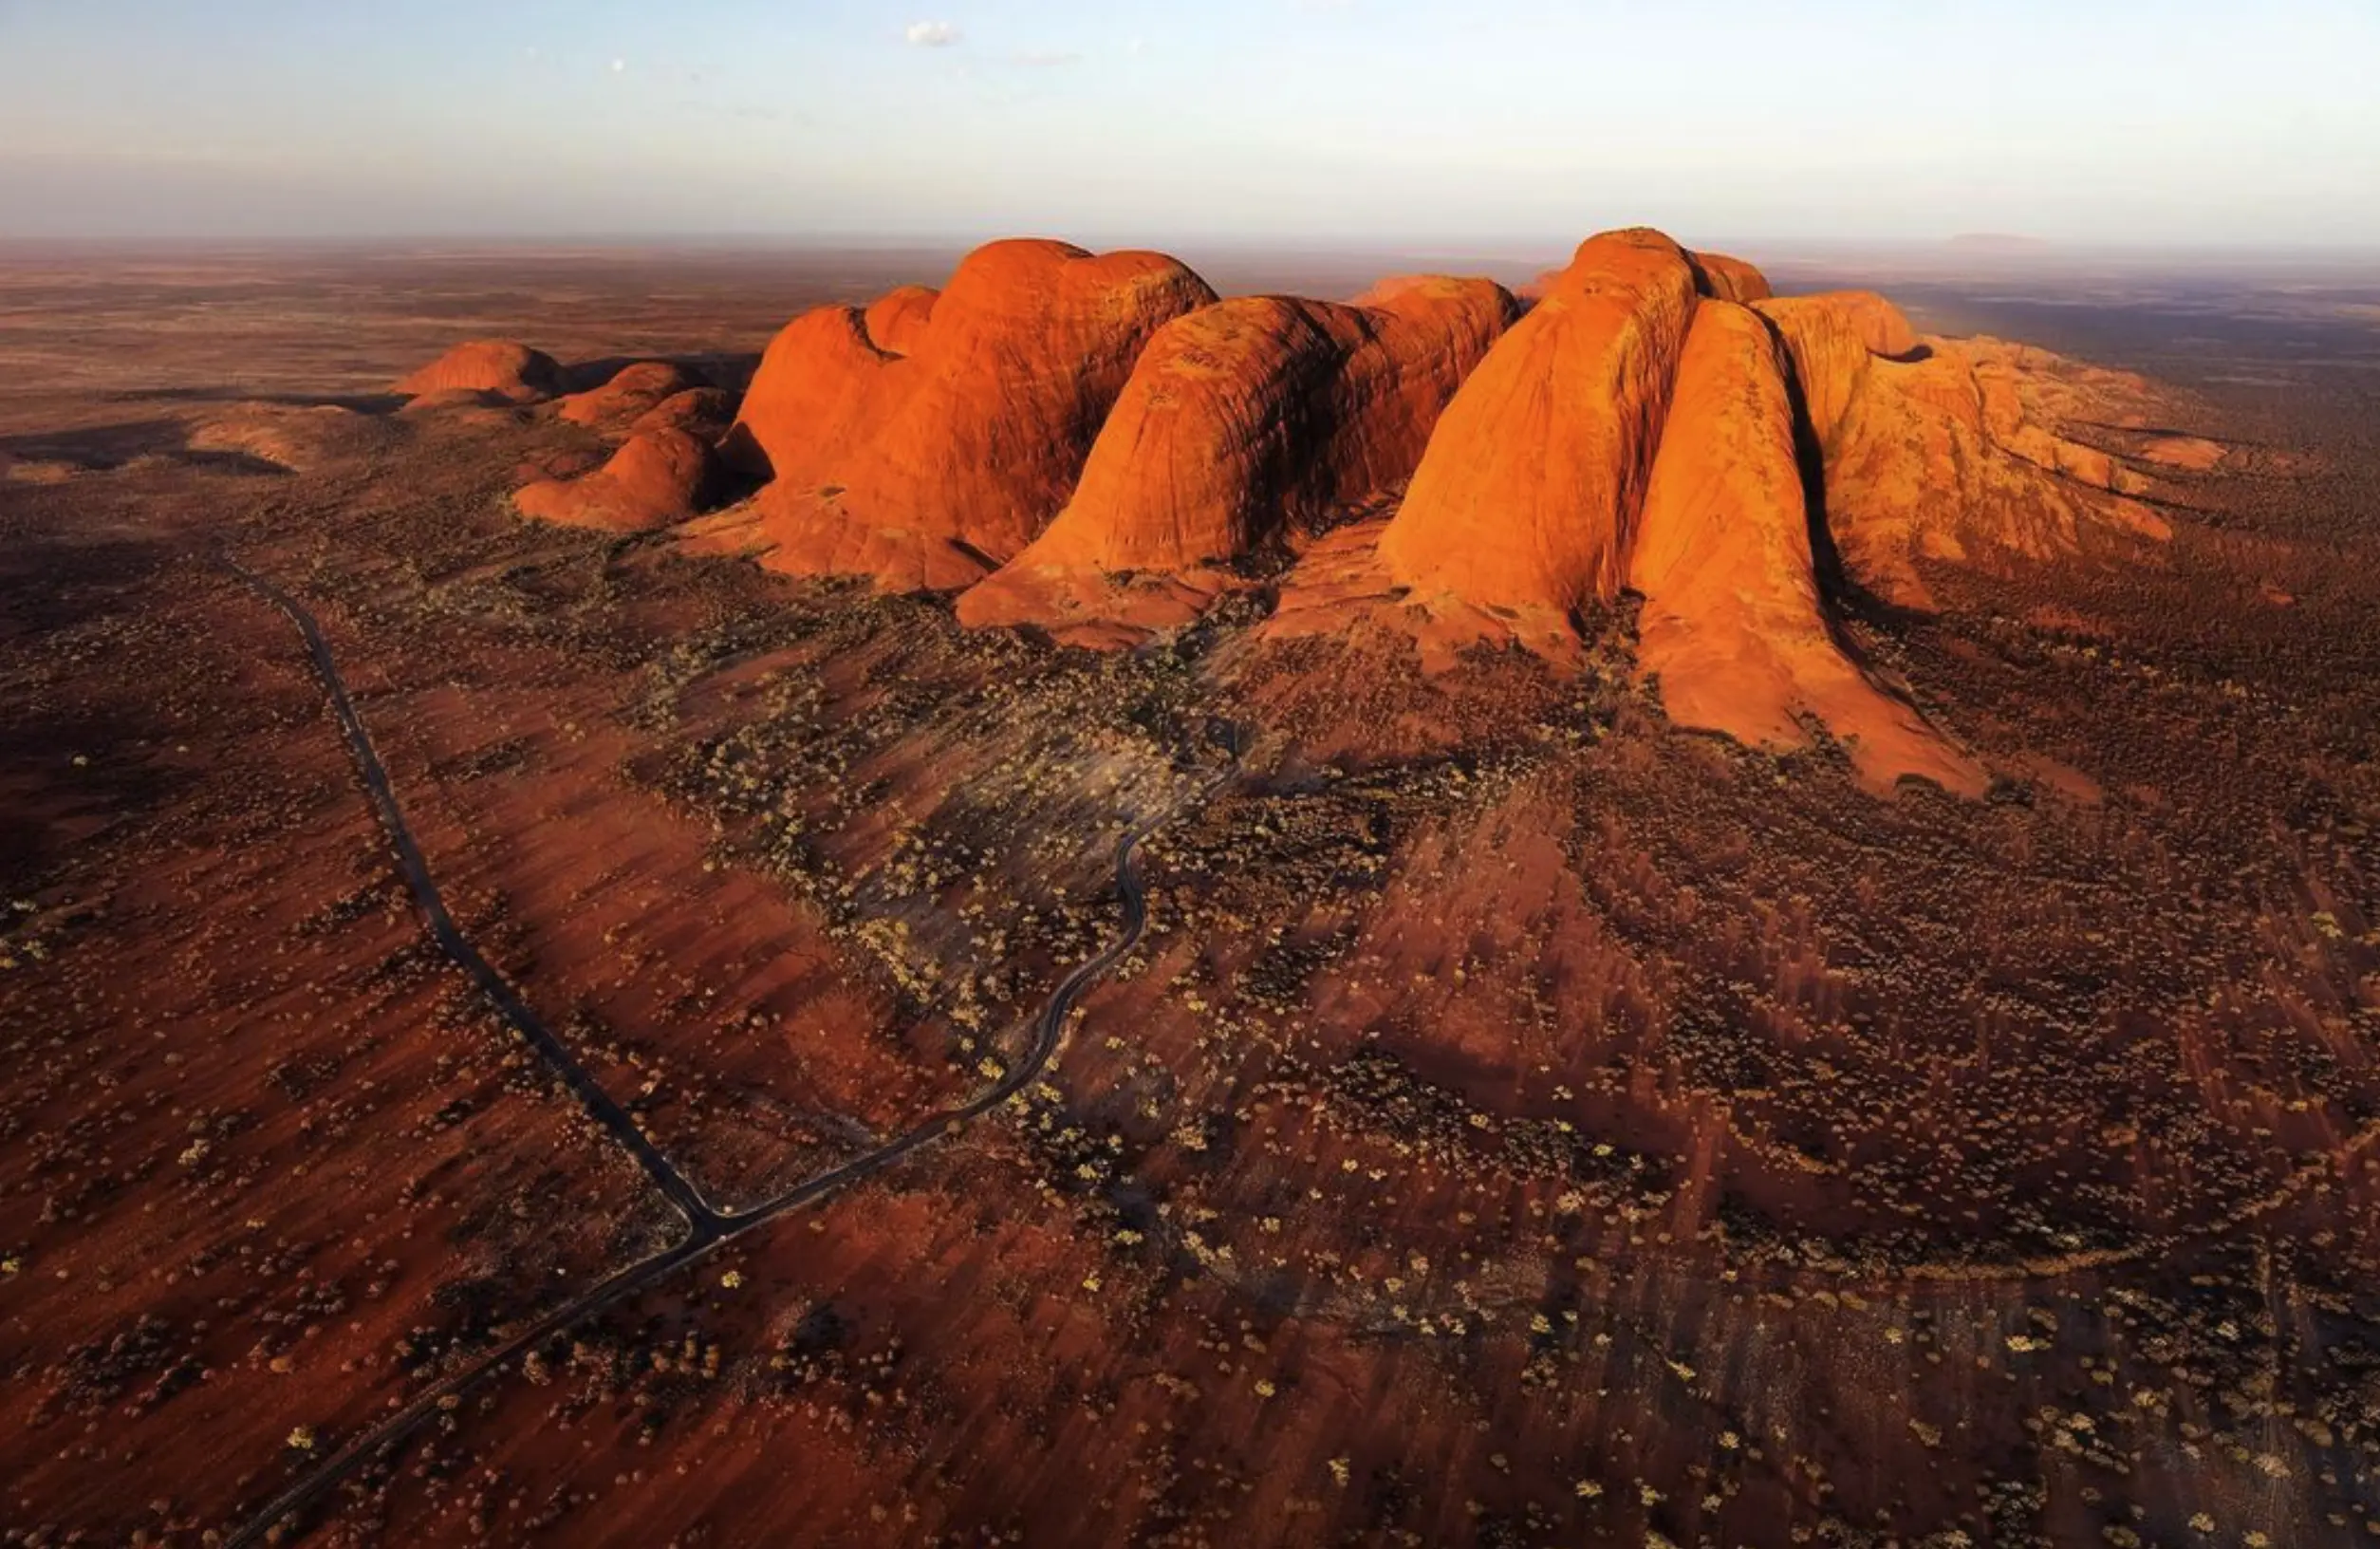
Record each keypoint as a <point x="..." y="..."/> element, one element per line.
<point x="1445" y="125"/>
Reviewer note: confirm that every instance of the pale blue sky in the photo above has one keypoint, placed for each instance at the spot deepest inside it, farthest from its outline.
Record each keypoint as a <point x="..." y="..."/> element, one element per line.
<point x="1448" y="124"/>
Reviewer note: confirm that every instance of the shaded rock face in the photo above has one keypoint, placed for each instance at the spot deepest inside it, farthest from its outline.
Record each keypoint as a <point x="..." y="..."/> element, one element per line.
<point x="1245" y="422"/>
<point x="1530" y="489"/>
<point x="930" y="469"/>
<point x="499" y="368"/>
<point x="1732" y="623"/>
<point x="658" y="478"/>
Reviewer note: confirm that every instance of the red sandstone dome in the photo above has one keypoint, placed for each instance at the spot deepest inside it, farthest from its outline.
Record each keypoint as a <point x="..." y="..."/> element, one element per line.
<point x="897" y="319"/>
<point x="1243" y="421"/>
<point x="656" y="480"/>
<point x="1530" y="489"/>
<point x="702" y="412"/>
<point x="928" y="470"/>
<point x="1010" y="379"/>
<point x="1733" y="623"/>
<point x="499" y="368"/>
<point x="1715" y="274"/>
<point x="1726" y="278"/>
<point x="632" y="392"/>
<point x="820" y="387"/>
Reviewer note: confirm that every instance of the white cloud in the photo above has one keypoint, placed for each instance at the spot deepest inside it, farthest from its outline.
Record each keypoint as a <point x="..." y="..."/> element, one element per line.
<point x="1047" y="58"/>
<point x="619" y="67"/>
<point x="931" y="35"/>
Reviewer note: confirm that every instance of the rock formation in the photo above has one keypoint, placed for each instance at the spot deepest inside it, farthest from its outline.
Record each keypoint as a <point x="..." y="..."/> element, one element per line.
<point x="814" y="387"/>
<point x="1715" y="274"/>
<point x="632" y="392"/>
<point x="1718" y="275"/>
<point x="1529" y="491"/>
<point x="494" y="368"/>
<point x="1947" y="450"/>
<point x="300" y="438"/>
<point x="702" y="412"/>
<point x="2185" y="454"/>
<point x="1640" y="430"/>
<point x="656" y="480"/>
<point x="928" y="469"/>
<point x="820" y="387"/>
<point x="1732" y="623"/>
<point x="1097" y="446"/>
<point x="897" y="319"/>
<point x="1245" y="422"/>
<point x="976" y="439"/>
<point x="1832" y="337"/>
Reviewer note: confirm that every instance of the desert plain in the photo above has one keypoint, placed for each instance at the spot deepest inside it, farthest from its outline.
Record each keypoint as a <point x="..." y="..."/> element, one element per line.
<point x="878" y="1073"/>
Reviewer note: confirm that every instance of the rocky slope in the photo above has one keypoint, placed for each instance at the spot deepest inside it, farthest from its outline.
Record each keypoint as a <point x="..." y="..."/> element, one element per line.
<point x="1948" y="457"/>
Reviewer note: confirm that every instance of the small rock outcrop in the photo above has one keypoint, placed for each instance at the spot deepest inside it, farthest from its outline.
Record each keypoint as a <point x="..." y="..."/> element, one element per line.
<point x="1725" y="278"/>
<point x="633" y="392"/>
<point x="702" y="412"/>
<point x="897" y="319"/>
<point x="658" y="478"/>
<point x="300" y="438"/>
<point x="501" y="369"/>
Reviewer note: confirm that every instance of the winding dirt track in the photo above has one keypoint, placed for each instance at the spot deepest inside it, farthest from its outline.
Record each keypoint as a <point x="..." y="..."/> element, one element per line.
<point x="707" y="1228"/>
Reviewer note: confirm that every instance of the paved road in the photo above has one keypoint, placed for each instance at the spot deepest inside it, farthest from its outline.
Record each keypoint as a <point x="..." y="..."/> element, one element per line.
<point x="494" y="987"/>
<point x="708" y="1229"/>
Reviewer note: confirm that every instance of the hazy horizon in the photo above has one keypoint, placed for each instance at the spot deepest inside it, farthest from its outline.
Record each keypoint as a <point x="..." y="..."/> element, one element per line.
<point x="1398" y="125"/>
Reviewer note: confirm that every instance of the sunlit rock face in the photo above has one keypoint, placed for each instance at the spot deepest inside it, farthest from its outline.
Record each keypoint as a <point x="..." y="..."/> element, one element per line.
<point x="1098" y="447"/>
